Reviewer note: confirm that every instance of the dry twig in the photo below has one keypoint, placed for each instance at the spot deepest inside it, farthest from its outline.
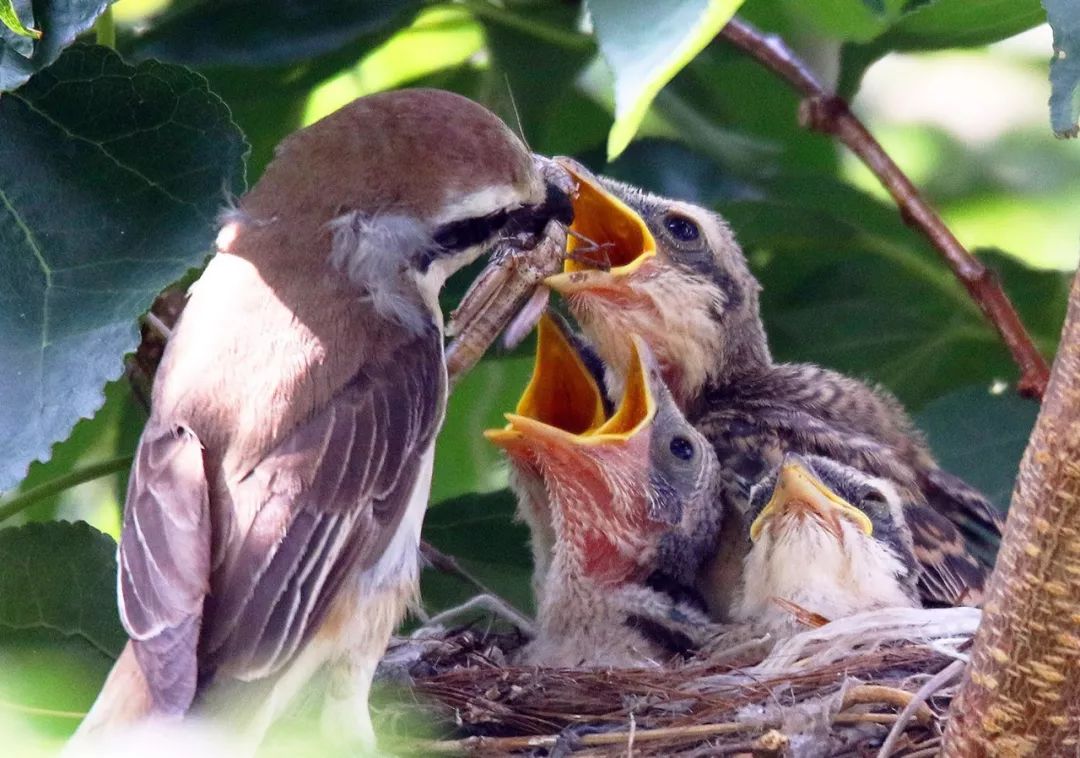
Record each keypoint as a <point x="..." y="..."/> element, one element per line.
<point x="825" y="112"/>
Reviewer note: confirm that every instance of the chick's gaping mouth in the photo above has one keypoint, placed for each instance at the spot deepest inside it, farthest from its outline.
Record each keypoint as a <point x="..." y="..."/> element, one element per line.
<point x="606" y="235"/>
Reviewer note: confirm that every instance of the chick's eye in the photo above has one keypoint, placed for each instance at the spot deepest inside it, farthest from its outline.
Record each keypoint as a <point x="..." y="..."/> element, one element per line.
<point x="682" y="228"/>
<point x="873" y="497"/>
<point x="682" y="448"/>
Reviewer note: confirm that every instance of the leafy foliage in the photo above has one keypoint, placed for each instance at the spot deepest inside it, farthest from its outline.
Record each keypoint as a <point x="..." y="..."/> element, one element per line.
<point x="59" y="21"/>
<point x="129" y="167"/>
<point x="111" y="173"/>
<point x="646" y="43"/>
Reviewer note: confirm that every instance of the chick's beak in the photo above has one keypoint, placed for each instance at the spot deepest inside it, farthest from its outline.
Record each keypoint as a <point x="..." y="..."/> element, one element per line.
<point x="561" y="412"/>
<point x="799" y="492"/>
<point x="609" y="242"/>
<point x="561" y="400"/>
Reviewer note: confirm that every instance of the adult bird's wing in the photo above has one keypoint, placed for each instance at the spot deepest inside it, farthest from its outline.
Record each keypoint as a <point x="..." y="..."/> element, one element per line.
<point x="327" y="502"/>
<point x="164" y="562"/>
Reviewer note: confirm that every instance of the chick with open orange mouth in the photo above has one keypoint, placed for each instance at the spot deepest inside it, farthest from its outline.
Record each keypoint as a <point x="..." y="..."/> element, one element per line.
<point x="673" y="273"/>
<point x="627" y="497"/>
<point x="668" y="271"/>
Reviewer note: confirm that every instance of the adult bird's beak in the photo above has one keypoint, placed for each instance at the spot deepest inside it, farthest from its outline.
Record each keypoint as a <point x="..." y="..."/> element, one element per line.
<point x="609" y="242"/>
<point x="799" y="492"/>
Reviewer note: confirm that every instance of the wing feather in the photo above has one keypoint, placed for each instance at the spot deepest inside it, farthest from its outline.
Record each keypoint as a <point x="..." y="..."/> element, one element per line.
<point x="327" y="500"/>
<point x="164" y="561"/>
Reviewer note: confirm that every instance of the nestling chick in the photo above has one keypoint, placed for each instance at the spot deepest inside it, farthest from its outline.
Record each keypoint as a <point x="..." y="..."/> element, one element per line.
<point x="274" y="508"/>
<point x="626" y="499"/>
<point x="678" y="278"/>
<point x="827" y="539"/>
<point x="563" y="392"/>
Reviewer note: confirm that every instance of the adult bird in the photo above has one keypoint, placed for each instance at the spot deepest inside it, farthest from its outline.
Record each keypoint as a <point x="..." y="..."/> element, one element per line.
<point x="275" y="502"/>
<point x="624" y="499"/>
<point x="673" y="273"/>
<point x="828" y="541"/>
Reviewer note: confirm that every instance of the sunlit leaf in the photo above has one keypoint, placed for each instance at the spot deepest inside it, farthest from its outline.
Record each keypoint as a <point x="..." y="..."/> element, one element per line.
<point x="110" y="179"/>
<point x="647" y="42"/>
<point x="59" y="23"/>
<point x="1064" y="17"/>
<point x="10" y="19"/>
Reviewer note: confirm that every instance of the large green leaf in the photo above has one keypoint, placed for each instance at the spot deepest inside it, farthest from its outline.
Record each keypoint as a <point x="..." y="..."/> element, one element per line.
<point x="647" y="42"/>
<point x="59" y="21"/>
<point x="261" y="33"/>
<point x="941" y="24"/>
<point x="110" y="179"/>
<point x="60" y="577"/>
<point x="980" y="436"/>
<point x="847" y="20"/>
<point x="1064" y="17"/>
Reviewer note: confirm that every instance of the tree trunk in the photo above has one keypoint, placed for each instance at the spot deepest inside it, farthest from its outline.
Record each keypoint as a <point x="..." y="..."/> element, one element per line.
<point x="1021" y="695"/>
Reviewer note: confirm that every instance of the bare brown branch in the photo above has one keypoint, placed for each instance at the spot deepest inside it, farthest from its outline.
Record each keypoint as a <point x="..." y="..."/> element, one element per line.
<point x="823" y="111"/>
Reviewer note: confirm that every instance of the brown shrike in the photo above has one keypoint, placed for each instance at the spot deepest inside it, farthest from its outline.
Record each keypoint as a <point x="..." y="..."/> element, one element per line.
<point x="673" y="273"/>
<point x="617" y="503"/>
<point x="275" y="503"/>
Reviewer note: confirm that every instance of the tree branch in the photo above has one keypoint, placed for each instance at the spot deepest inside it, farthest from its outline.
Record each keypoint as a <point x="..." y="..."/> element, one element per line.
<point x="825" y="112"/>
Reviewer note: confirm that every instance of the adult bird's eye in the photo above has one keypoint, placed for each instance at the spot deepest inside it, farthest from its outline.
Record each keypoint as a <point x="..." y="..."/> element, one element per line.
<point x="681" y="228"/>
<point x="682" y="448"/>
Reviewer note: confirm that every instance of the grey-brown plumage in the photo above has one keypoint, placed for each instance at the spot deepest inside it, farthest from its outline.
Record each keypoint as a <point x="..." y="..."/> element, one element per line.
<point x="691" y="296"/>
<point x="828" y="541"/>
<point x="626" y="499"/>
<point x="275" y="502"/>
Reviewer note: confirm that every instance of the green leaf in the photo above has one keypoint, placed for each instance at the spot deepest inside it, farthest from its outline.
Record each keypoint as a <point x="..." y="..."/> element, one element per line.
<point x="10" y="19"/>
<point x="941" y="24"/>
<point x="980" y="436"/>
<point x="848" y="286"/>
<point x="60" y="22"/>
<point x="847" y="20"/>
<point x="647" y="42"/>
<point x="60" y="577"/>
<point x="1064" y="17"/>
<point x="479" y="530"/>
<point x="465" y="461"/>
<point x="110" y="179"/>
<point x="267" y="33"/>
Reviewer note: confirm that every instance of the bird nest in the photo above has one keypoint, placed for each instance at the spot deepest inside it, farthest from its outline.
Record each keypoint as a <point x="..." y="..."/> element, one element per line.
<point x="878" y="683"/>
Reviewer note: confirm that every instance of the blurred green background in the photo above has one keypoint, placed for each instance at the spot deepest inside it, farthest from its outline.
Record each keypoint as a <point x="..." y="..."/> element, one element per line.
<point x="846" y="283"/>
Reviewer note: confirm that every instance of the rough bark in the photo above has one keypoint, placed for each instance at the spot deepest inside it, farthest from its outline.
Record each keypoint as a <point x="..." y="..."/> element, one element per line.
<point x="1021" y="695"/>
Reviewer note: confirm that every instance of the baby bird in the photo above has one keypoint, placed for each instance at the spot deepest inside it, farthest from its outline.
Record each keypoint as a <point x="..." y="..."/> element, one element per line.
<point x="626" y="499"/>
<point x="827" y="540"/>
<point x="564" y="392"/>
<point x="673" y="273"/>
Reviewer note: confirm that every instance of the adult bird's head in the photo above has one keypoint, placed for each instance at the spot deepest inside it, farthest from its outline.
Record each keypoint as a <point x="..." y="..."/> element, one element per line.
<point x="828" y="539"/>
<point x="666" y="270"/>
<point x="392" y="193"/>
<point x="615" y="485"/>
